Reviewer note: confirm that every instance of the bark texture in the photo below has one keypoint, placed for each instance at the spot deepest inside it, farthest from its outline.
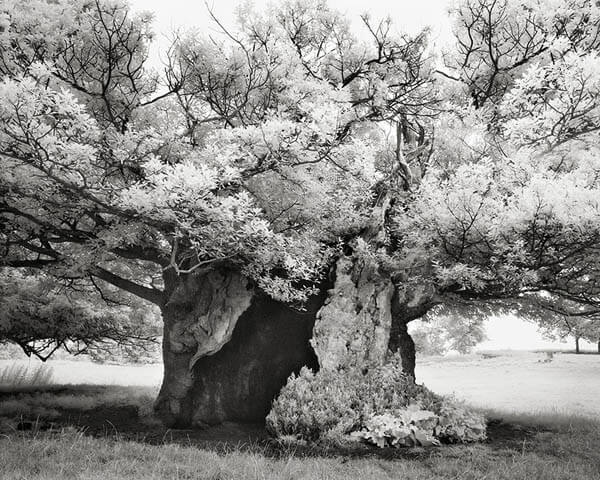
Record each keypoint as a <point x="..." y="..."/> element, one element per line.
<point x="228" y="350"/>
<point x="408" y="304"/>
<point x="199" y="318"/>
<point x="366" y="316"/>
<point x="353" y="327"/>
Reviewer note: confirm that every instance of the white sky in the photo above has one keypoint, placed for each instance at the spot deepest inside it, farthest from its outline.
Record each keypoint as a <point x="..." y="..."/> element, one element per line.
<point x="409" y="16"/>
<point x="508" y="332"/>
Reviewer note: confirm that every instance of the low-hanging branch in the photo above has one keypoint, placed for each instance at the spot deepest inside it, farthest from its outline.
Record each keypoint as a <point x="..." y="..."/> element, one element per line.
<point x="153" y="295"/>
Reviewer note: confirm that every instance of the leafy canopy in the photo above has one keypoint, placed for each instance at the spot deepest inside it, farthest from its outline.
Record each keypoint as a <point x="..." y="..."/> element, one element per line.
<point x="275" y="147"/>
<point x="257" y="151"/>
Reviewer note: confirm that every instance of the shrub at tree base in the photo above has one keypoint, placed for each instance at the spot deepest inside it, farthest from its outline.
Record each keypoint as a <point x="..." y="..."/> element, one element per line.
<point x="380" y="405"/>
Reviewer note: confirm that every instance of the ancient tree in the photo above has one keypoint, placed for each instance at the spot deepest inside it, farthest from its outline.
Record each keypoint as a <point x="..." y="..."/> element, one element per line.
<point x="291" y="193"/>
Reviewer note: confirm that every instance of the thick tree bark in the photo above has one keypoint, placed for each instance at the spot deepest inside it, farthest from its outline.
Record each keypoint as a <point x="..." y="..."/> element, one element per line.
<point x="353" y="327"/>
<point x="228" y="350"/>
<point x="405" y="346"/>
<point x="408" y="304"/>
<point x="366" y="317"/>
<point x="598" y="345"/>
<point x="199" y="318"/>
<point x="366" y="314"/>
<point x="577" y="345"/>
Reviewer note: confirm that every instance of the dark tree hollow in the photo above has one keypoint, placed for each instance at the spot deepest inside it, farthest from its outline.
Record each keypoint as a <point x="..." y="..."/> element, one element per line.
<point x="239" y="381"/>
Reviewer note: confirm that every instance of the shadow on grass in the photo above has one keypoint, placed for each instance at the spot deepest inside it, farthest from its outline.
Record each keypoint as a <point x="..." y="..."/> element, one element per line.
<point x="123" y="413"/>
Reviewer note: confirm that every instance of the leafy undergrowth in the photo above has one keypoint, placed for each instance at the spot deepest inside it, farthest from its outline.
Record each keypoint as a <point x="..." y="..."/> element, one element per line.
<point x="114" y="438"/>
<point x="379" y="405"/>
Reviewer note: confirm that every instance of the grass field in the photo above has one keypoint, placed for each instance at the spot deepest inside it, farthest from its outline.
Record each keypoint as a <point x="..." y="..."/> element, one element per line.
<point x="545" y="424"/>
<point x="519" y="381"/>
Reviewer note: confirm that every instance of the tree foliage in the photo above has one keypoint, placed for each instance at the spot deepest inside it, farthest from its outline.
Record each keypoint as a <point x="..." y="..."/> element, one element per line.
<point x="562" y="327"/>
<point x="558" y="319"/>
<point x="518" y="212"/>
<point x="41" y="317"/>
<point x="439" y="334"/>
<point x="273" y="148"/>
<point x="249" y="159"/>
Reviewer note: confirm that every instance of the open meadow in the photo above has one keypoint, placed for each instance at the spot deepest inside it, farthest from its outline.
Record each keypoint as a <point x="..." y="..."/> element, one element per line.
<point x="94" y="421"/>
<point x="520" y="382"/>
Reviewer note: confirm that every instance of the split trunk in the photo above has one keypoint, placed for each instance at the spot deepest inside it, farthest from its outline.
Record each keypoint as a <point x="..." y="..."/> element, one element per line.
<point x="229" y="349"/>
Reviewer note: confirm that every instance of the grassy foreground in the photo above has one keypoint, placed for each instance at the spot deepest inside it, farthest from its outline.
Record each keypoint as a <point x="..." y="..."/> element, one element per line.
<point x="537" y="447"/>
<point x="50" y="431"/>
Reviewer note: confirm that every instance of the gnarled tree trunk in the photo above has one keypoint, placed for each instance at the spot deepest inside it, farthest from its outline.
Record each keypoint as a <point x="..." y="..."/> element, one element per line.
<point x="366" y="316"/>
<point x="353" y="327"/>
<point x="402" y="342"/>
<point x="228" y="349"/>
<point x="408" y="304"/>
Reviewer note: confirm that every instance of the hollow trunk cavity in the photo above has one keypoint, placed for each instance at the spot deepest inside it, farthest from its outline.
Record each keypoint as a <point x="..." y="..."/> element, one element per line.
<point x="228" y="350"/>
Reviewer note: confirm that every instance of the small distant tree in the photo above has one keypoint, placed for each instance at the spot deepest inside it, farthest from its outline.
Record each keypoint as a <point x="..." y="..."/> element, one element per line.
<point x="560" y="327"/>
<point x="443" y="330"/>
<point x="441" y="333"/>
<point x="559" y="318"/>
